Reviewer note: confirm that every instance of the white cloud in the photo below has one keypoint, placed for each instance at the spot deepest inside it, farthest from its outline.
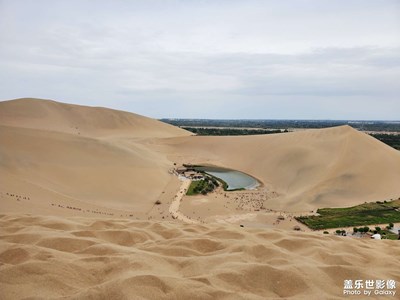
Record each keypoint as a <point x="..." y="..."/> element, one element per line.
<point x="247" y="58"/>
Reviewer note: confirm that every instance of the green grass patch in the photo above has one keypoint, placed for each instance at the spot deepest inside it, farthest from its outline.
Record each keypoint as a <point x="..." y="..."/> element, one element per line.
<point x="193" y="187"/>
<point x="364" y="214"/>
<point x="388" y="235"/>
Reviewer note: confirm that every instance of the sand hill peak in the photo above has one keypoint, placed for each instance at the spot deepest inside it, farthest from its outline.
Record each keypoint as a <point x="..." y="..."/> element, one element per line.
<point x="84" y="120"/>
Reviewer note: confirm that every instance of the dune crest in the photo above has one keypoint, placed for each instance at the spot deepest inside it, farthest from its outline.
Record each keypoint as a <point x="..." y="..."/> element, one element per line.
<point x="81" y="120"/>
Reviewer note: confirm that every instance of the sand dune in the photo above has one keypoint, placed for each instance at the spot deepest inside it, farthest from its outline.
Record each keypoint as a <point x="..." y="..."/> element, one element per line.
<point x="81" y="120"/>
<point x="119" y="160"/>
<point x="79" y="219"/>
<point x="82" y="168"/>
<point x="309" y="169"/>
<point x="82" y="157"/>
<point x="121" y="259"/>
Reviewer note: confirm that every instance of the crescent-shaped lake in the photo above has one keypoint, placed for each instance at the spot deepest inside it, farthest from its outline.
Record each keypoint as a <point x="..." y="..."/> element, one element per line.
<point x="234" y="179"/>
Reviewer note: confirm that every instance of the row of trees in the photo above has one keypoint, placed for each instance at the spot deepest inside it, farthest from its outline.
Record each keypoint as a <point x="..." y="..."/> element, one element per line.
<point x="278" y="124"/>
<point x="392" y="140"/>
<point x="364" y="229"/>
<point x="361" y="229"/>
<point x="230" y="131"/>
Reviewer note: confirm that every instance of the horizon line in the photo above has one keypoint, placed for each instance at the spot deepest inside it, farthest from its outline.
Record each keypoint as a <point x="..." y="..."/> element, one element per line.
<point x="317" y="120"/>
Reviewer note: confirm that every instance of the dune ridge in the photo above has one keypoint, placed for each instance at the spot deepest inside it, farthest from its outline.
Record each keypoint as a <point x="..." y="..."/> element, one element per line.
<point x="81" y="120"/>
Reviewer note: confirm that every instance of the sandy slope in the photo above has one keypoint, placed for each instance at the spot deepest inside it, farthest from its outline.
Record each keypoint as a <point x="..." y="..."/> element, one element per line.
<point x="68" y="155"/>
<point x="82" y="168"/>
<point x="121" y="259"/>
<point x="309" y="169"/>
<point x="81" y="120"/>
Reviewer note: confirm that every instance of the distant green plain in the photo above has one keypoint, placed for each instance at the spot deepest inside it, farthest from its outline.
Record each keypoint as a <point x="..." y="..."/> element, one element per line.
<point x="365" y="214"/>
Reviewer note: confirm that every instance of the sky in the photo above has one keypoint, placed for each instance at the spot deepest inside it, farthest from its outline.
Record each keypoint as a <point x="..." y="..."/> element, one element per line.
<point x="224" y="59"/>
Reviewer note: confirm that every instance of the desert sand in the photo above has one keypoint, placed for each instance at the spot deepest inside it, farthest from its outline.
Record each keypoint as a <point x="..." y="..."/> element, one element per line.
<point x="81" y="258"/>
<point x="90" y="209"/>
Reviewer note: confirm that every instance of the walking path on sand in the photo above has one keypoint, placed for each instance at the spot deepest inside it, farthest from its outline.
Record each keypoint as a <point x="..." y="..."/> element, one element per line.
<point x="174" y="207"/>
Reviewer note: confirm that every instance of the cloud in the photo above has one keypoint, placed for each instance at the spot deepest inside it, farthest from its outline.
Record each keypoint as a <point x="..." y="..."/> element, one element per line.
<point x="248" y="57"/>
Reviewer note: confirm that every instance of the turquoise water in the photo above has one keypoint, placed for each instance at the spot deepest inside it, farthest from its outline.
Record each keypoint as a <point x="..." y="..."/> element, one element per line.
<point x="234" y="179"/>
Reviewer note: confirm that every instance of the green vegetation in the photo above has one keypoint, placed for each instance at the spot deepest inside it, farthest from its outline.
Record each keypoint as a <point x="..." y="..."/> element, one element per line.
<point x="364" y="214"/>
<point x="382" y="126"/>
<point x="194" y="187"/>
<point x="204" y="186"/>
<point x="392" y="140"/>
<point x="364" y="229"/>
<point x="230" y="131"/>
<point x="387" y="132"/>
<point x="341" y="232"/>
<point x="385" y="233"/>
<point x="207" y="185"/>
<point x="218" y="181"/>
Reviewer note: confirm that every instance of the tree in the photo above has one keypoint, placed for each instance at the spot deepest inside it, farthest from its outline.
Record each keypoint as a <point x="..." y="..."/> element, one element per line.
<point x="355" y="229"/>
<point x="338" y="231"/>
<point x="366" y="229"/>
<point x="378" y="229"/>
<point x="391" y="225"/>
